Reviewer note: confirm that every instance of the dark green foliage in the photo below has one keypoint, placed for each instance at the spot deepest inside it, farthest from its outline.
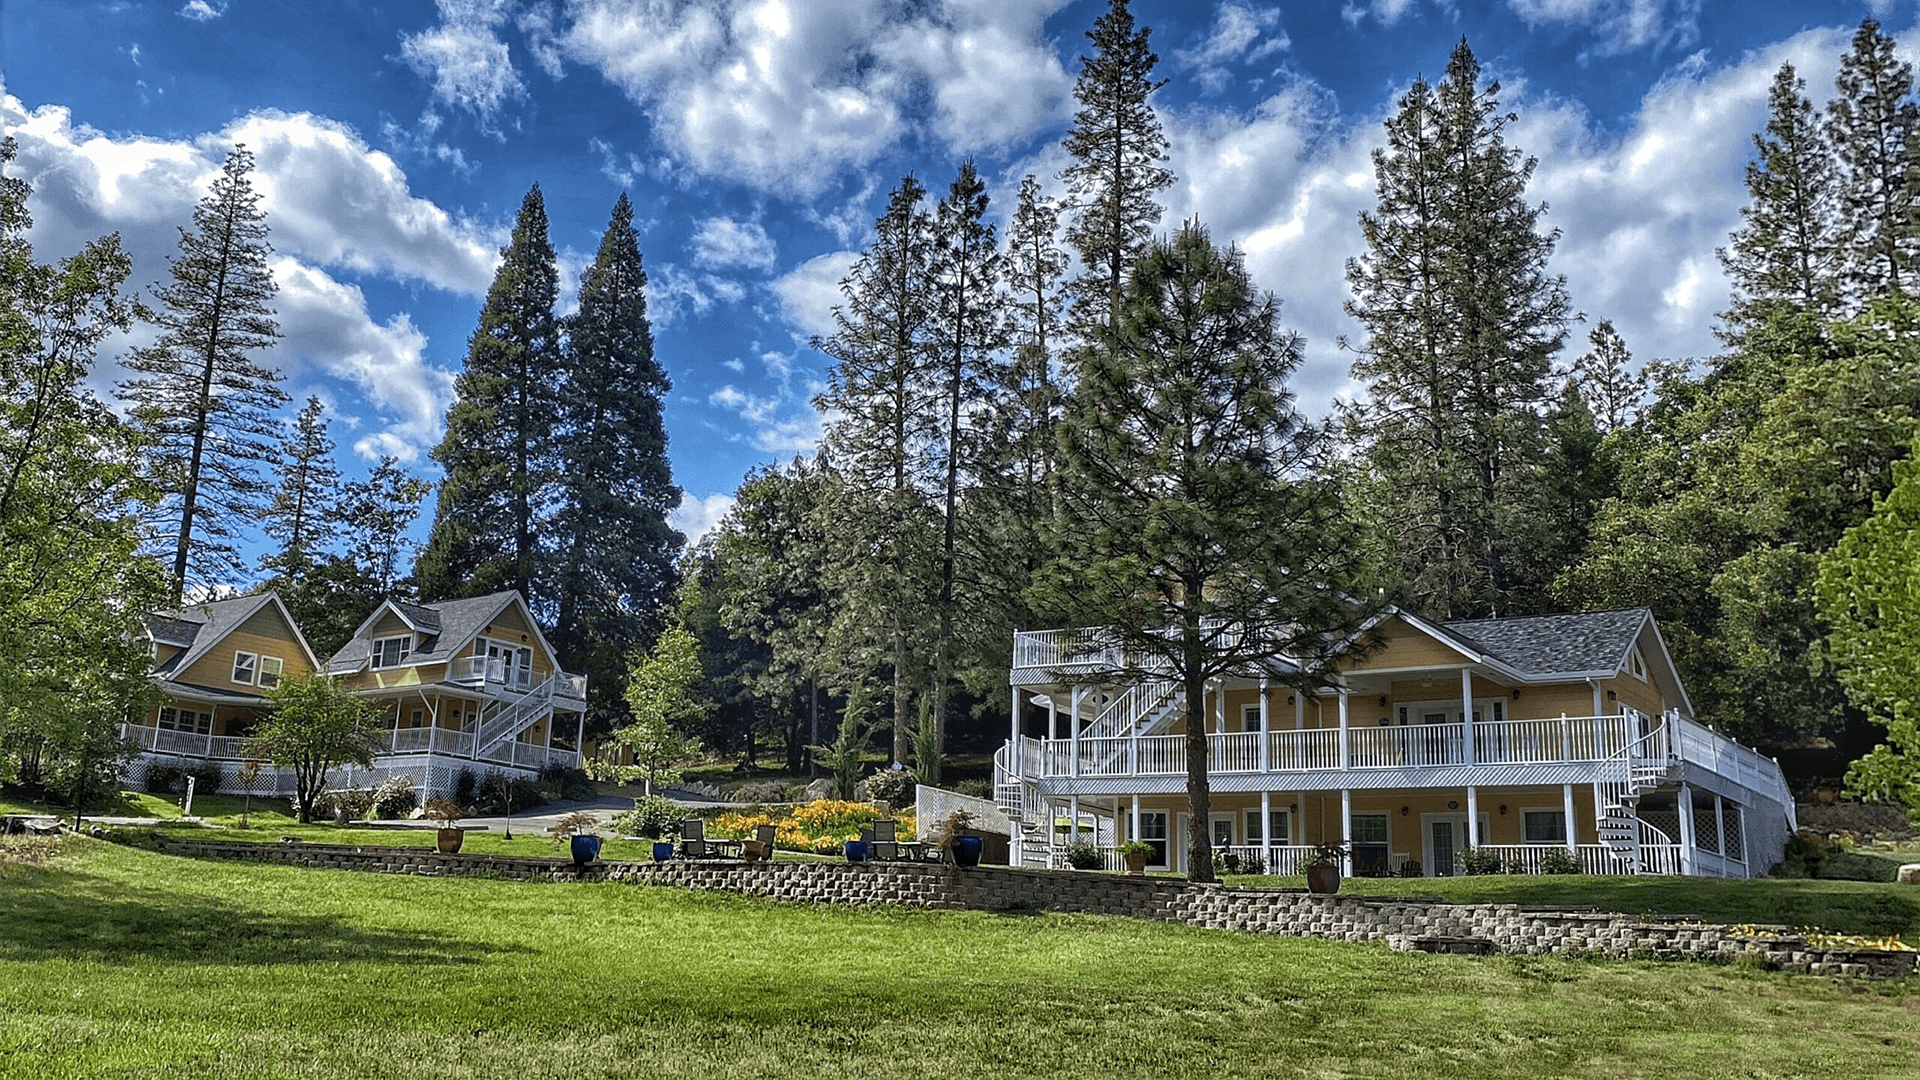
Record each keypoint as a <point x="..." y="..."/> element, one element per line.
<point x="1195" y="531"/>
<point x="207" y="406"/>
<point x="607" y="565"/>
<point x="375" y="515"/>
<point x="1558" y="861"/>
<point x="165" y="779"/>
<point x="1786" y="251"/>
<point x="395" y="797"/>
<point x="1462" y="322"/>
<point x="652" y="817"/>
<point x="1475" y="861"/>
<point x="1873" y="125"/>
<point x="305" y="507"/>
<point x="498" y="451"/>
<point x="892" y="786"/>
<point x="1083" y="855"/>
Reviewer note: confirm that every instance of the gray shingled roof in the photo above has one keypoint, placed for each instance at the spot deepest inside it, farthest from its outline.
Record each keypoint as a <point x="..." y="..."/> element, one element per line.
<point x="210" y="623"/>
<point x="1548" y="644"/>
<point x="459" y="621"/>
<point x="426" y="618"/>
<point x="170" y="630"/>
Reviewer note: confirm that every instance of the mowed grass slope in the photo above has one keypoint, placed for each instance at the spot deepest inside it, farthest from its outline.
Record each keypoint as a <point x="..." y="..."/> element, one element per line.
<point x="123" y="963"/>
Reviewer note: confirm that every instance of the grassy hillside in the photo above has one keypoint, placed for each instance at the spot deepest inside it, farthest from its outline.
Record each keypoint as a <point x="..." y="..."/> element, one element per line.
<point x="120" y="962"/>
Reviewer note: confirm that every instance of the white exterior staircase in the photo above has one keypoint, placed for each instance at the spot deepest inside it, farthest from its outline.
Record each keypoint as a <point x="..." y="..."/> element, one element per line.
<point x="1645" y="764"/>
<point x="506" y="716"/>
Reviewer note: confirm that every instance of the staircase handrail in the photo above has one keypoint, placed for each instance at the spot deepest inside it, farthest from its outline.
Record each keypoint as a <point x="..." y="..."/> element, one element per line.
<point x="1141" y="699"/>
<point x="503" y="718"/>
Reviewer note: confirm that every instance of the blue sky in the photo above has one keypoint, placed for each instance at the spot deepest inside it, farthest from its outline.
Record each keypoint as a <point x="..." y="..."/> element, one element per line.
<point x="758" y="139"/>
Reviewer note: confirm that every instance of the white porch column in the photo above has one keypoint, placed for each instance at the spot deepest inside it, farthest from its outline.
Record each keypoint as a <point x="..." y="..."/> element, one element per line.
<point x="1466" y="718"/>
<point x="1473" y="816"/>
<point x="579" y="739"/>
<point x="1720" y="832"/>
<point x="1133" y="833"/>
<point x="1597" y="707"/>
<point x="213" y="722"/>
<point x="1073" y="734"/>
<point x="1220" y="709"/>
<point x="1073" y="811"/>
<point x="1266" y="829"/>
<point x="1266" y="739"/>
<point x="1346" y="809"/>
<point x="1299" y="710"/>
<point x="1053" y="713"/>
<point x="1686" y="830"/>
<point x="1746" y="860"/>
<point x="1566" y="799"/>
<point x="1344" y="759"/>
<point x="1013" y="739"/>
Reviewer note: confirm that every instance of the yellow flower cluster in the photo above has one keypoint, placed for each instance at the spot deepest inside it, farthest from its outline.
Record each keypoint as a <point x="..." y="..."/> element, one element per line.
<point x="1826" y="939"/>
<point x="821" y="826"/>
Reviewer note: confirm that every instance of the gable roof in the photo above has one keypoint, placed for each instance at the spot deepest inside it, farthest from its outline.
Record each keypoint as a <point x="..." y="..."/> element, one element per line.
<point x="197" y="628"/>
<point x="1594" y="642"/>
<point x="444" y="628"/>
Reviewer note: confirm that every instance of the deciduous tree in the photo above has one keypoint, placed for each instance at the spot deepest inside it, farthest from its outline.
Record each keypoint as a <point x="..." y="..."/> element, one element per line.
<point x="315" y="725"/>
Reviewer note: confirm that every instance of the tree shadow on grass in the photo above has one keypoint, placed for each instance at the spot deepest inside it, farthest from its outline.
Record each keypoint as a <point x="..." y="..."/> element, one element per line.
<point x="58" y="913"/>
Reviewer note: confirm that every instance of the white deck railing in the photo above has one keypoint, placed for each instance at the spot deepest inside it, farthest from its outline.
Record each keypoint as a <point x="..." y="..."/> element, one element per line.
<point x="1527" y="858"/>
<point x="458" y="744"/>
<point x="1582" y="739"/>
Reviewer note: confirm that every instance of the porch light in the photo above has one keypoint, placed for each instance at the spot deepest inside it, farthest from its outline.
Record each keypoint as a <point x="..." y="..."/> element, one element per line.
<point x="1503" y="809"/>
<point x="1610" y="696"/>
<point x="1516" y="693"/>
<point x="1383" y="701"/>
<point x="1453" y="804"/>
<point x="1404" y="810"/>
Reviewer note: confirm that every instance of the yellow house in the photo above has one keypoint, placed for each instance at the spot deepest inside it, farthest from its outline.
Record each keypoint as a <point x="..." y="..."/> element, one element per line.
<point x="462" y="684"/>
<point x="1515" y="738"/>
<point x="212" y="662"/>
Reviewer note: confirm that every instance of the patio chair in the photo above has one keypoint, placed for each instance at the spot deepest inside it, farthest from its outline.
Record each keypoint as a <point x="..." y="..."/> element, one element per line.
<point x="760" y="848"/>
<point x="885" y="839"/>
<point x="693" y="840"/>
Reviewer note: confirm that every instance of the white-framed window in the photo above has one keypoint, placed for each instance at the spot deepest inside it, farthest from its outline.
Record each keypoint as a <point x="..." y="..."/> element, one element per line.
<point x="191" y="721"/>
<point x="1153" y="830"/>
<point x="1638" y="661"/>
<point x="1370" y="827"/>
<point x="271" y="668"/>
<point x="1281" y="824"/>
<point x="1543" y="826"/>
<point x="246" y="667"/>
<point x="1250" y="717"/>
<point x="417" y="718"/>
<point x="392" y="651"/>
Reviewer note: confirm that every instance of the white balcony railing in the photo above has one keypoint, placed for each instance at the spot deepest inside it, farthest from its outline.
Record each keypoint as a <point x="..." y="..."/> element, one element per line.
<point x="1528" y="858"/>
<point x="478" y="670"/>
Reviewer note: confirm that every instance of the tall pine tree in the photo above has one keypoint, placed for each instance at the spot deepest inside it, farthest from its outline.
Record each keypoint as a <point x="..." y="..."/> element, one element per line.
<point x="498" y="451"/>
<point x="207" y="407"/>
<point x="1874" y="127"/>
<point x="613" y="564"/>
<point x="1462" y="322"/>
<point x="1116" y="175"/>
<point x="306" y="489"/>
<point x="1786" y="252"/>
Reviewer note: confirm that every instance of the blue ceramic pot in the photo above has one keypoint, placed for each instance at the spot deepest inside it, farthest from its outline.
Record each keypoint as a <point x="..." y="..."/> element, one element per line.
<point x="662" y="850"/>
<point x="857" y="851"/>
<point x="585" y="849"/>
<point x="966" y="851"/>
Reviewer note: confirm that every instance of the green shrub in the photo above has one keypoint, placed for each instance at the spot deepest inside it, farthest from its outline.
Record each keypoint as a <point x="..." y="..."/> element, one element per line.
<point x="1857" y="866"/>
<point x="891" y="786"/>
<point x="568" y="781"/>
<point x="1083" y="855"/>
<point x="1558" y="861"/>
<point x="979" y="789"/>
<point x="652" y="817"/>
<point x="1476" y="861"/>
<point x="395" y="798"/>
<point x="165" y="779"/>
<point x="465" y="787"/>
<point x="207" y="777"/>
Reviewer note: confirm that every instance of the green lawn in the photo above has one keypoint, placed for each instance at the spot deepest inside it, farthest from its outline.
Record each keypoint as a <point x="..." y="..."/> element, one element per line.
<point x="125" y="963"/>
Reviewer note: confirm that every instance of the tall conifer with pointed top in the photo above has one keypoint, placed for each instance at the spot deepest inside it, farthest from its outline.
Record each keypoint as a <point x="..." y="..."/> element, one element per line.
<point x="612" y="569"/>
<point x="1116" y="175"/>
<point x="1786" y="251"/>
<point x="1874" y="127"/>
<point x="306" y="492"/>
<point x="498" y="450"/>
<point x="208" y="407"/>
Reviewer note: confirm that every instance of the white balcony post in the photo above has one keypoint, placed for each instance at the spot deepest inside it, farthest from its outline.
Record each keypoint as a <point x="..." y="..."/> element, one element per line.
<point x="1266" y="741"/>
<point x="1266" y="828"/>
<point x="579" y="739"/>
<point x="1133" y="830"/>
<point x="1346" y="816"/>
<point x="1299" y="710"/>
<point x="154" y="743"/>
<point x="1746" y="860"/>
<point x="213" y="721"/>
<point x="1566" y="799"/>
<point x="1720" y="832"/>
<point x="1344" y="757"/>
<point x="1053" y="715"/>
<point x="1566" y="744"/>
<point x="1220" y="709"/>
<point x="1466" y="719"/>
<point x="1013" y="735"/>
<point x="1686" y="830"/>
<point x="1073" y="735"/>
<point x="1473" y="816"/>
<point x="1073" y="810"/>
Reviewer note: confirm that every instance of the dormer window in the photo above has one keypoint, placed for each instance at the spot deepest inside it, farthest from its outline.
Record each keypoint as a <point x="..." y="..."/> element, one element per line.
<point x="245" y="665"/>
<point x="1639" y="665"/>
<point x="392" y="652"/>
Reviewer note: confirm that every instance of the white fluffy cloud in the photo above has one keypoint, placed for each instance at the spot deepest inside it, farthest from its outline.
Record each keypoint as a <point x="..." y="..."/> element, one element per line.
<point x="777" y="423"/>
<point x="777" y="94"/>
<point x="464" y="56"/>
<point x="203" y="10"/>
<point x="1235" y="37"/>
<point x="1619" y="25"/>
<point x="695" y="517"/>
<point x="723" y="243"/>
<point x="809" y="292"/>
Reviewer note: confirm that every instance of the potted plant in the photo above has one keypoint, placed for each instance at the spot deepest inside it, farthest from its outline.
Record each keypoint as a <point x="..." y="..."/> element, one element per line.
<point x="451" y="835"/>
<point x="956" y="842"/>
<point x="580" y="831"/>
<point x="1136" y="852"/>
<point x="1323" y="867"/>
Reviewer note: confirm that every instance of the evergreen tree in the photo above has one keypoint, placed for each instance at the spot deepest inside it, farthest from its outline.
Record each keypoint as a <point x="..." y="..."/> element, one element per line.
<point x="1462" y="322"/>
<point x="306" y="488"/>
<point x="375" y="514"/>
<point x="1872" y="124"/>
<point x="1785" y="252"/>
<point x="1611" y="391"/>
<point x="884" y="439"/>
<point x="967" y="335"/>
<point x="498" y="451"/>
<point x="207" y="407"/>
<point x="1116" y="174"/>
<point x="613" y="570"/>
<point x="1198" y="538"/>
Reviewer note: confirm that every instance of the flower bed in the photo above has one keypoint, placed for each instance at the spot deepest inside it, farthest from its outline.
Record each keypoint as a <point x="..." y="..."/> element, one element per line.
<point x="820" y="827"/>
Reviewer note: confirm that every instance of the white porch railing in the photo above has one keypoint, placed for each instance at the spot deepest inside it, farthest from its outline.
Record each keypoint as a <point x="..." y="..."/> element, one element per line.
<point x="472" y="670"/>
<point x="1280" y="859"/>
<point x="1585" y="739"/>
<point x="1527" y="858"/>
<point x="1703" y="746"/>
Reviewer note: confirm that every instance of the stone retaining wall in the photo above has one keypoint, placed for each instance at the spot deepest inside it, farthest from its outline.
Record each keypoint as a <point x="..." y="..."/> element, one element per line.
<point x="1404" y="923"/>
